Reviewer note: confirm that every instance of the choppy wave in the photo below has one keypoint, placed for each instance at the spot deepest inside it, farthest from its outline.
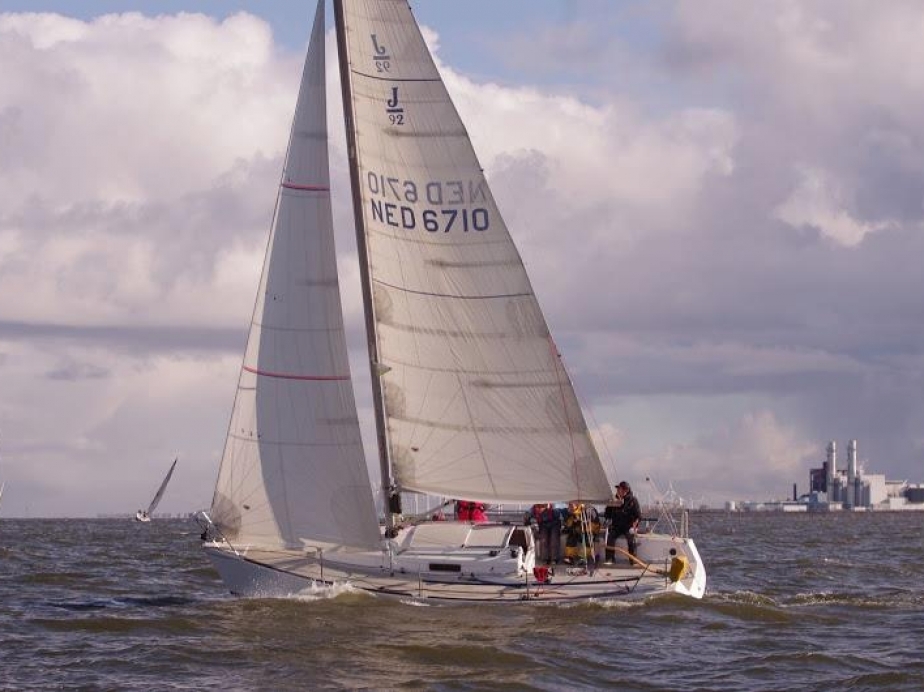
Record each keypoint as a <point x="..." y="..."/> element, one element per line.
<point x="792" y="603"/>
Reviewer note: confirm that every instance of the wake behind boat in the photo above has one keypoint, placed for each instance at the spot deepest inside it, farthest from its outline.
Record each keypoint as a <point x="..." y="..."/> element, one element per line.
<point x="471" y="398"/>
<point x="144" y="515"/>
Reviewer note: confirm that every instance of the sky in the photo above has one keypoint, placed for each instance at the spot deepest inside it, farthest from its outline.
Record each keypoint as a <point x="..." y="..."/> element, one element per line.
<point x="720" y="206"/>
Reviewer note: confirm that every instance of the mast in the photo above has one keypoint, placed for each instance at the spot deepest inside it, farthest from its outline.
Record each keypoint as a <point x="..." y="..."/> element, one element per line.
<point x="390" y="495"/>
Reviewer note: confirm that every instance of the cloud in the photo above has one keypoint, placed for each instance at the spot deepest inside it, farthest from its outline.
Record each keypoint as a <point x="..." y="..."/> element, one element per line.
<point x="767" y="256"/>
<point x="753" y="457"/>
<point x="139" y="162"/>
<point x="723" y="232"/>
<point x="141" y="153"/>
<point x="817" y="202"/>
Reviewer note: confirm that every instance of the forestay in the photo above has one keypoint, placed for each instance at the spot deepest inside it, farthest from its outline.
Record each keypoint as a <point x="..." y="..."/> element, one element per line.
<point x="293" y="469"/>
<point x="476" y="399"/>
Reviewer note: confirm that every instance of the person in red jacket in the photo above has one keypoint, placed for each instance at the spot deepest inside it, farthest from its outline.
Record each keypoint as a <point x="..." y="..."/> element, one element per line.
<point x="467" y="510"/>
<point x="463" y="510"/>
<point x="479" y="514"/>
<point x="549" y="521"/>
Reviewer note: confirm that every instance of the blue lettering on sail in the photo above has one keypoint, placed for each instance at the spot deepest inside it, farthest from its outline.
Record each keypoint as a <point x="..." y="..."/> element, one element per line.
<point x="380" y="55"/>
<point x="396" y="216"/>
<point x="476" y="191"/>
<point x="450" y="206"/>
<point x="394" y="109"/>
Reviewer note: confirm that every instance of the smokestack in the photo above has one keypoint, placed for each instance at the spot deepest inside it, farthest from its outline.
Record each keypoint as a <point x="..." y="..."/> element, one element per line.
<point x="795" y="495"/>
<point x="851" y="473"/>
<point x="832" y="470"/>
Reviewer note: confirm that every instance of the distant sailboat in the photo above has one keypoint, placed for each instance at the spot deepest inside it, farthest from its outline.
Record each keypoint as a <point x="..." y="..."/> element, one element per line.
<point x="471" y="398"/>
<point x="2" y="486"/>
<point x="146" y="514"/>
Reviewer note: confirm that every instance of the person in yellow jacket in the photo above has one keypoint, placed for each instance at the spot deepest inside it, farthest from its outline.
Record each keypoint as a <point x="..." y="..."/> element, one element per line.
<point x="583" y="529"/>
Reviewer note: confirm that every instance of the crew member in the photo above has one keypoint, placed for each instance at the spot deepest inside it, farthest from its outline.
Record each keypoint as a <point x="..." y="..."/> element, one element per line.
<point x="623" y="517"/>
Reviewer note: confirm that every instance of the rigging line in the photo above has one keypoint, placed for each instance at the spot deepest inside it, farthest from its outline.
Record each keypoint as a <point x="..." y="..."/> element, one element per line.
<point x="432" y="431"/>
<point x="426" y="515"/>
<point x="220" y="533"/>
<point x="610" y="458"/>
<point x="475" y="431"/>
<point x="588" y="542"/>
<point x="559" y="369"/>
<point x="663" y="510"/>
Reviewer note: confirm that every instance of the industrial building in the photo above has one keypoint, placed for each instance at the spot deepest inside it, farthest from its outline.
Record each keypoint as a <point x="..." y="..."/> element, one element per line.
<point x="851" y="488"/>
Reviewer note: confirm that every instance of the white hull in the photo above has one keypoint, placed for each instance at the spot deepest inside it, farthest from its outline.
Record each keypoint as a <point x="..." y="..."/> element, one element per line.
<point x="142" y="517"/>
<point x="419" y="568"/>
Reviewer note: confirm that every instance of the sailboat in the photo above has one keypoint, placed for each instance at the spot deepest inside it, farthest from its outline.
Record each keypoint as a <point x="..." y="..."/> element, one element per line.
<point x="2" y="486"/>
<point x="145" y="515"/>
<point x="471" y="398"/>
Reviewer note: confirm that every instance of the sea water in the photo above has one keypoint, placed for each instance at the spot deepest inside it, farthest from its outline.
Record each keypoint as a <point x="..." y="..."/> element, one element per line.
<point x="794" y="602"/>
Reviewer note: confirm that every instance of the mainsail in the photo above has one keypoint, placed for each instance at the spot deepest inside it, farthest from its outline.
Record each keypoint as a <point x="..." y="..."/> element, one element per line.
<point x="473" y="399"/>
<point x="293" y="468"/>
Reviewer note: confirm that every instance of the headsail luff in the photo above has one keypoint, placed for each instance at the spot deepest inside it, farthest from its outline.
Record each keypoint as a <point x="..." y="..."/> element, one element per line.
<point x="476" y="401"/>
<point x="293" y="469"/>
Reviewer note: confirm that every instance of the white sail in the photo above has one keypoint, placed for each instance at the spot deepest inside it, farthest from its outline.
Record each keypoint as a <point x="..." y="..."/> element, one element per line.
<point x="293" y="469"/>
<point x="471" y="399"/>
<point x="160" y="491"/>
<point x="476" y="400"/>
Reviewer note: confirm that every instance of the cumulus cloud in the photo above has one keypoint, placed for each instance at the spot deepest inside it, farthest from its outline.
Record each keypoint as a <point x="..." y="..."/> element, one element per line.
<point x="138" y="155"/>
<point x="138" y="164"/>
<point x="818" y="202"/>
<point x="724" y="231"/>
<point x="753" y="457"/>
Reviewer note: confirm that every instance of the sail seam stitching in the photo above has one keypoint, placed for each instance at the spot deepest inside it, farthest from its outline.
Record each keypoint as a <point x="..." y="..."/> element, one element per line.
<point x="451" y="295"/>
<point x="290" y="376"/>
<point x="309" y="188"/>
<point x="395" y="79"/>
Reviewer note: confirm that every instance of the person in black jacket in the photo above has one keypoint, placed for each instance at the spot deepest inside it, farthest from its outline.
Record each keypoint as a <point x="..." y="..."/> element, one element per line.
<point x="623" y="516"/>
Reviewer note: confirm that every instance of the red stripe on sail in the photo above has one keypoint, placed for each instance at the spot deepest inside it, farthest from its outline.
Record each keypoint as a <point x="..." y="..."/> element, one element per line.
<point x="290" y="376"/>
<point x="309" y="188"/>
